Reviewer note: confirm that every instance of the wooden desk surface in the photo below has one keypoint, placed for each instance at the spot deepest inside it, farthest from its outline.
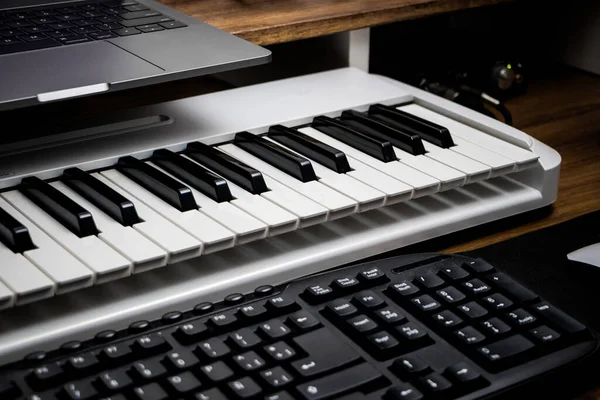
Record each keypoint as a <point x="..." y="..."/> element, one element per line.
<point x="275" y="21"/>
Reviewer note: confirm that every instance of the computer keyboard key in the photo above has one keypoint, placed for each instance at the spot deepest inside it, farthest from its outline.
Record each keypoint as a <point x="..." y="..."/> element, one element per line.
<point x="45" y="376"/>
<point x="447" y="319"/>
<point x="32" y="37"/>
<point x="273" y="329"/>
<point x="126" y="31"/>
<point x="389" y="315"/>
<point x="108" y="26"/>
<point x="478" y="266"/>
<point x="372" y="277"/>
<point x="59" y="33"/>
<point x="346" y="284"/>
<point x="82" y="390"/>
<point x="76" y="39"/>
<point x="303" y="321"/>
<point x="316" y="294"/>
<point x="450" y="295"/>
<point x="325" y="352"/>
<point x="150" y="344"/>
<point x="435" y="384"/>
<point x="36" y="29"/>
<point x="17" y="24"/>
<point x="115" y="353"/>
<point x="251" y="311"/>
<point x="520" y="317"/>
<point x="82" y="363"/>
<point x="249" y="361"/>
<point x="116" y="380"/>
<point x="429" y="281"/>
<point x="211" y="394"/>
<point x="67" y="17"/>
<point x="151" y="391"/>
<point x="180" y="360"/>
<point x="495" y="327"/>
<point x="361" y="324"/>
<point x="244" y="388"/>
<point x="413" y="335"/>
<point x="212" y="348"/>
<point x="469" y="335"/>
<point x="60" y="25"/>
<point x="244" y="338"/>
<point x="8" y="33"/>
<point x="463" y="373"/>
<point x="173" y="25"/>
<point x="383" y="344"/>
<point x="543" y="334"/>
<point x="497" y="301"/>
<point x="191" y="332"/>
<point x="425" y="303"/>
<point x="368" y="300"/>
<point x="159" y="19"/>
<point x="472" y="310"/>
<point x="500" y="352"/>
<point x="453" y="273"/>
<point x="340" y="309"/>
<point x="183" y="383"/>
<point x="85" y="23"/>
<point x="347" y="380"/>
<point x="403" y="289"/>
<point x="83" y="30"/>
<point x="476" y="286"/>
<point x="282" y="304"/>
<point x="512" y="287"/>
<point x="403" y="391"/>
<point x="148" y="370"/>
<point x="409" y="366"/>
<point x="559" y="319"/>
<point x="10" y="45"/>
<point x="216" y="372"/>
<point x="276" y="377"/>
<point x="222" y="321"/>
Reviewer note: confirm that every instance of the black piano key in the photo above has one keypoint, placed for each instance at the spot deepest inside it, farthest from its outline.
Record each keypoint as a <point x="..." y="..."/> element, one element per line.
<point x="378" y="148"/>
<point x="162" y="185"/>
<point x="361" y="122"/>
<point x="102" y="196"/>
<point x="401" y="120"/>
<point x="236" y="171"/>
<point x="312" y="148"/>
<point x="283" y="159"/>
<point x="193" y="174"/>
<point x="14" y="234"/>
<point x="70" y="214"/>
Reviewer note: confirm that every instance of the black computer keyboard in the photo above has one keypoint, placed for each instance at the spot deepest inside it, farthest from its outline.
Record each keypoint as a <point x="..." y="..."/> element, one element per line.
<point x="75" y="23"/>
<point x="408" y="327"/>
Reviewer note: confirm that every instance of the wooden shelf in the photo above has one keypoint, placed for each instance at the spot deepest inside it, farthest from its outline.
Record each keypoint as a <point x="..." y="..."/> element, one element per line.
<point x="267" y="22"/>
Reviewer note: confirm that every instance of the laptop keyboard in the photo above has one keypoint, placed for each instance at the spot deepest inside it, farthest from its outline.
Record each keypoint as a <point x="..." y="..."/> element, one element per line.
<point x="39" y="28"/>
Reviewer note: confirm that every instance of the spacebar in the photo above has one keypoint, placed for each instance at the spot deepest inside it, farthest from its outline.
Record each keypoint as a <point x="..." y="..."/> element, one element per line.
<point x="26" y="46"/>
<point x="341" y="382"/>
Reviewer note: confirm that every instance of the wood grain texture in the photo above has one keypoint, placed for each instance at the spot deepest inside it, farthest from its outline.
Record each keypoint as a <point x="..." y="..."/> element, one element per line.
<point x="563" y="111"/>
<point x="276" y="21"/>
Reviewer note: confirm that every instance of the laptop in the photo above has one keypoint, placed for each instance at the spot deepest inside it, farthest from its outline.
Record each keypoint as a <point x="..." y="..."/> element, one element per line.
<point x="53" y="50"/>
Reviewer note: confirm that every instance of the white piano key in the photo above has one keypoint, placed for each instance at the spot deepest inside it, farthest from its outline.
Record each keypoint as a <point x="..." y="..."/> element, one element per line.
<point x="367" y="197"/>
<point x="23" y="278"/>
<point x="143" y="253"/>
<point x="523" y="157"/>
<point x="226" y="221"/>
<point x="449" y="177"/>
<point x="106" y="263"/>
<point x="421" y="183"/>
<point x="193" y="222"/>
<point x="337" y="204"/>
<point x="475" y="171"/>
<point x="308" y="211"/>
<point x="67" y="272"/>
<point x="177" y="243"/>
<point x="394" y="190"/>
<point x="278" y="219"/>
<point x="500" y="165"/>
<point x="7" y="297"/>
